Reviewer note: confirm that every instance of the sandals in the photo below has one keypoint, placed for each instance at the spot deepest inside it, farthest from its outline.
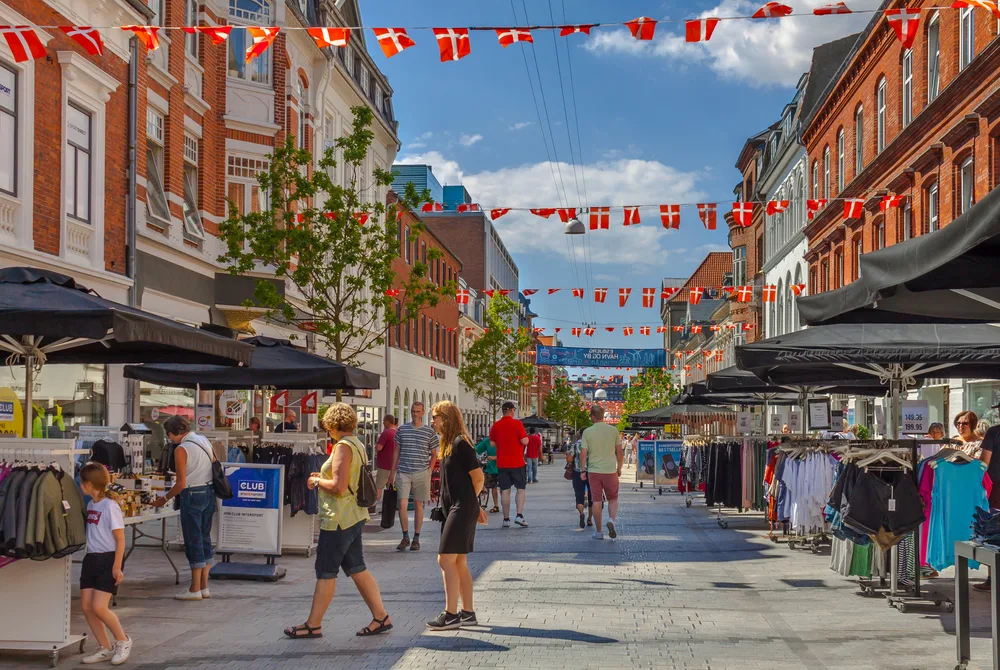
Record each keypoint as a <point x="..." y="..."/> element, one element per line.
<point x="311" y="632"/>
<point x="494" y="510"/>
<point x="383" y="627"/>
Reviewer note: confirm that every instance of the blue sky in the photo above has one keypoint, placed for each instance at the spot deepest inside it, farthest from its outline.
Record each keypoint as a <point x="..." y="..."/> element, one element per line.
<point x="659" y="122"/>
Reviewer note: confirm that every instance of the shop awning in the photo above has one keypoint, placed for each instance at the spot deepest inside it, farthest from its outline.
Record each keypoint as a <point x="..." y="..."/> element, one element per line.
<point x="274" y="364"/>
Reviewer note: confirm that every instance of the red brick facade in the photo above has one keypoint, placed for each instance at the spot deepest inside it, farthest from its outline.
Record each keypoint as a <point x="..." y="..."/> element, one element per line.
<point x="750" y="238"/>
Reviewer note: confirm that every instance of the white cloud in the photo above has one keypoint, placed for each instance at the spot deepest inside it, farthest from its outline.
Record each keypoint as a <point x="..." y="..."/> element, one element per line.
<point x="521" y="125"/>
<point x="447" y="171"/>
<point x="469" y="140"/>
<point x="759" y="52"/>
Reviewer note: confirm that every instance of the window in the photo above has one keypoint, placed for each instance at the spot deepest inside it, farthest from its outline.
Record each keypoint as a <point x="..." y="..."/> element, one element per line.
<point x="815" y="180"/>
<point x="878" y="236"/>
<point x="193" y="227"/>
<point x="968" y="186"/>
<point x="77" y="188"/>
<point x="423" y="335"/>
<point x="858" y="250"/>
<point x="839" y="269"/>
<point x="399" y="315"/>
<point x="157" y="7"/>
<point x="191" y="19"/>
<point x="301" y="94"/>
<point x="966" y="33"/>
<point x="406" y="246"/>
<point x="8" y="130"/>
<point x="254" y="13"/>
<point x="933" y="57"/>
<point x="824" y="276"/>
<point x="191" y="149"/>
<point x="859" y="140"/>
<point x="423" y="253"/>
<point x="932" y="208"/>
<point x="880" y="128"/>
<point x="826" y="172"/>
<point x="243" y="187"/>
<point x="907" y="87"/>
<point x="908" y="231"/>
<point x="840" y="160"/>
<point x="740" y="266"/>
<point x="406" y="334"/>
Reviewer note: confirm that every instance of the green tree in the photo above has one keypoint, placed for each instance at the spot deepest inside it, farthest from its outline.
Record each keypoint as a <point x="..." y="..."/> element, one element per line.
<point x="649" y="389"/>
<point x="565" y="406"/>
<point x="337" y="268"/>
<point x="492" y="368"/>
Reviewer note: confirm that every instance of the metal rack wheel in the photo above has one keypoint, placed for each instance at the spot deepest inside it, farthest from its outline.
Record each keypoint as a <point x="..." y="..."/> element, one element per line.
<point x="687" y="503"/>
<point x="949" y="608"/>
<point x="53" y="659"/>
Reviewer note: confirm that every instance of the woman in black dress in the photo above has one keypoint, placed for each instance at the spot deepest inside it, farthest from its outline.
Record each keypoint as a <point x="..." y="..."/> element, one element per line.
<point x="462" y="481"/>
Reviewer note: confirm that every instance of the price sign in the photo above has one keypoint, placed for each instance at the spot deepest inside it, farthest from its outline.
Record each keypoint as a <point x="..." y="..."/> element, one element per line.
<point x="819" y="415"/>
<point x="916" y="415"/>
<point x="743" y="422"/>
<point x="775" y="427"/>
<point x="795" y="422"/>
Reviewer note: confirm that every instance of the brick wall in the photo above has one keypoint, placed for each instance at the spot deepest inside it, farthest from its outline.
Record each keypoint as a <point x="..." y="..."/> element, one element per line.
<point x="465" y="234"/>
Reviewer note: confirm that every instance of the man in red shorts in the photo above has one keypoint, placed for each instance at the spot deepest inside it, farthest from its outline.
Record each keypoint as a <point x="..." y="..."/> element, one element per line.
<point x="602" y="457"/>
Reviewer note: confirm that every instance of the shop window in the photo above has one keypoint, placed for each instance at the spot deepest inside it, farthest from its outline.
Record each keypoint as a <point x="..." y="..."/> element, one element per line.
<point x="64" y="396"/>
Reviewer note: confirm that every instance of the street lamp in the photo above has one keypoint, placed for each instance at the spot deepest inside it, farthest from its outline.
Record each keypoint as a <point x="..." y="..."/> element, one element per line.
<point x="575" y="227"/>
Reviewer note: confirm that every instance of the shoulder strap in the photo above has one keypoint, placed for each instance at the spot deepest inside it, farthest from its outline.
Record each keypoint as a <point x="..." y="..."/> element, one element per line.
<point x="211" y="455"/>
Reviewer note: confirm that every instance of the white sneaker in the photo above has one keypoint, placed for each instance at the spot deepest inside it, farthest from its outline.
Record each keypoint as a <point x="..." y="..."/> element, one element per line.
<point x="506" y="523"/>
<point x="205" y="593"/>
<point x="122" y="650"/>
<point x="519" y="520"/>
<point x="188" y="595"/>
<point x="598" y="535"/>
<point x="98" y="656"/>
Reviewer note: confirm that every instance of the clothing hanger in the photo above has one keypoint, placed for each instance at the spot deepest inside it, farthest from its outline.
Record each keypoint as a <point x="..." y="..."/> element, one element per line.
<point x="884" y="455"/>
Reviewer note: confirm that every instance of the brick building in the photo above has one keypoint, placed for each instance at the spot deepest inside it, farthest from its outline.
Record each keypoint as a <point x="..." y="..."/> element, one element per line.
<point x="747" y="242"/>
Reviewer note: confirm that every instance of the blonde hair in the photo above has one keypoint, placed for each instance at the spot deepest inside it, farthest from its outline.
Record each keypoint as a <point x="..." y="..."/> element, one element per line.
<point x="452" y="425"/>
<point x="340" y="417"/>
<point x="981" y="428"/>
<point x="98" y="477"/>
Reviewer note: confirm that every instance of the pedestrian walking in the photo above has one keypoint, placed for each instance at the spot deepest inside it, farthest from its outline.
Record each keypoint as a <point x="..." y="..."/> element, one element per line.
<point x="462" y="480"/>
<point x="342" y="522"/>
<point x="101" y="572"/>
<point x="509" y="438"/>
<point x="416" y="452"/>
<point x="533" y="456"/>
<point x="580" y="486"/>
<point x="385" y="449"/>
<point x="601" y="454"/>
<point x="486" y="450"/>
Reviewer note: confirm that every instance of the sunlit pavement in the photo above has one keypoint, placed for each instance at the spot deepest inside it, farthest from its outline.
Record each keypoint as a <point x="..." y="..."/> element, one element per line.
<point x="675" y="591"/>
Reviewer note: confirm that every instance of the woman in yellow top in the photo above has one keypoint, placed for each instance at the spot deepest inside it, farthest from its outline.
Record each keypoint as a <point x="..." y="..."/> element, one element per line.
<point x="342" y="521"/>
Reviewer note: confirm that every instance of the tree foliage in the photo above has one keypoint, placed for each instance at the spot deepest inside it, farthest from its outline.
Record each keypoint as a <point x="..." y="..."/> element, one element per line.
<point x="337" y="272"/>
<point x="565" y="406"/>
<point x="492" y="368"/>
<point x="650" y="389"/>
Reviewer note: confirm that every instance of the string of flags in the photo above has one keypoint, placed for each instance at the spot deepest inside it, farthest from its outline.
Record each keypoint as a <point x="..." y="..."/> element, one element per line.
<point x="627" y="331"/>
<point x="455" y="43"/>
<point x="743" y="294"/>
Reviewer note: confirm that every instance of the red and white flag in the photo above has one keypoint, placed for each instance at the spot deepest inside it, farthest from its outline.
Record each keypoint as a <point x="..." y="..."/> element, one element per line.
<point x="797" y="289"/>
<point x="623" y="295"/>
<point x="610" y="329"/>
<point x="695" y="330"/>
<point x="661" y="329"/>
<point x="769" y="294"/>
<point x="982" y="4"/>
<point x="530" y="291"/>
<point x="632" y="216"/>
<point x="505" y="291"/>
<point x="508" y="36"/>
<point x="905" y="23"/>
<point x="576" y="331"/>
<point x="361" y="218"/>
<point x="813" y="206"/>
<point x="432" y="207"/>
<point x="453" y="43"/>
<point x="642" y="28"/>
<point x="468" y="207"/>
<point x="600" y="294"/>
<point x="330" y="37"/>
<point x="747" y="326"/>
<point x="744" y="294"/>
<point x="670" y="216"/>
<point x="600" y="218"/>
<point x="776" y="207"/>
<point x="393" y="40"/>
<point x="577" y="293"/>
<point x="558" y="330"/>
<point x="853" y="208"/>
<point x="262" y="39"/>
<point x="309" y="402"/>
<point x="589" y="332"/>
<point x="218" y="34"/>
<point x="627" y="331"/>
<point x="715" y="328"/>
<point x="832" y="8"/>
<point x="718" y="356"/>
<point x="891" y="201"/>
<point x="554" y="290"/>
<point x="462" y="297"/>
<point x="678" y="329"/>
<point x="772" y="10"/>
<point x="544" y="213"/>
<point x="566" y="214"/>
<point x="490" y="292"/>
<point x="743" y="213"/>
<point x="279" y="401"/>
<point x="695" y="296"/>
<point x="572" y="30"/>
<point x="87" y="37"/>
<point x="707" y="214"/>
<point x="497" y="213"/>
<point x="707" y="353"/>
<point x="648" y="297"/>
<point x="700" y="30"/>
<point x="668" y="292"/>
<point x="644" y="330"/>
<point x="148" y="35"/>
<point x="536" y="331"/>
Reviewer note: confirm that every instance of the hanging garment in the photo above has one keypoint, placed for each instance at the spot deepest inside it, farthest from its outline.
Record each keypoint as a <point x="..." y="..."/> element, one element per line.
<point x="958" y="490"/>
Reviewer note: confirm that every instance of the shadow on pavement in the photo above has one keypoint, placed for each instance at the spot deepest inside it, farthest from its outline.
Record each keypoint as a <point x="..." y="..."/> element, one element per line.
<point x="548" y="634"/>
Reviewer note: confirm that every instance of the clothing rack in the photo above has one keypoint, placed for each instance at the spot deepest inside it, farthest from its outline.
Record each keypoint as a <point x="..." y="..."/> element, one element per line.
<point x="298" y="533"/>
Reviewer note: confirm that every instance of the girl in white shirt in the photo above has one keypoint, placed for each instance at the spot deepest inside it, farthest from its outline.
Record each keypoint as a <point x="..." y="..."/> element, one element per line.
<point x="102" y="566"/>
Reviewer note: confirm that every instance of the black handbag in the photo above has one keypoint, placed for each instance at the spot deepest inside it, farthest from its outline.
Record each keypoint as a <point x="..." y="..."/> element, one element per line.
<point x="367" y="492"/>
<point x="220" y="485"/>
<point x="390" y="503"/>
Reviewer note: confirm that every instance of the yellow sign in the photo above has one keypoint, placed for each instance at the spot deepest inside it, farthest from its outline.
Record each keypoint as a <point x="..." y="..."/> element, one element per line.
<point x="11" y="416"/>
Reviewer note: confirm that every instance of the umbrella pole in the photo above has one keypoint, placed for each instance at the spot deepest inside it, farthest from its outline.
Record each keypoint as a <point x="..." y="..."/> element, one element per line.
<point x="894" y="385"/>
<point x="802" y="403"/>
<point x="29" y="388"/>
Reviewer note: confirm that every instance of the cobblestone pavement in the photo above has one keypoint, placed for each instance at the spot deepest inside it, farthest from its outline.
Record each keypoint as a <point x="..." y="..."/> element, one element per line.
<point x="675" y="591"/>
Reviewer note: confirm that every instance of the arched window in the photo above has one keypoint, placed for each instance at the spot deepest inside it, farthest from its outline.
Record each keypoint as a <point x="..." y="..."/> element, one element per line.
<point x="840" y="160"/>
<point x="933" y="56"/>
<point x="881" y="127"/>
<point x="907" y="86"/>
<point x="826" y="171"/>
<point x="789" y="299"/>
<point x="859" y="140"/>
<point x="396" y="407"/>
<point x="801" y="197"/>
<point x="302" y="92"/>
<point x="406" y="407"/>
<point x="780" y="320"/>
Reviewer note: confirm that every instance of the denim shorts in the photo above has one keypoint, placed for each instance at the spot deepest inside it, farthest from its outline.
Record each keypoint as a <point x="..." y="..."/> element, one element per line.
<point x="340" y="549"/>
<point x="197" y="510"/>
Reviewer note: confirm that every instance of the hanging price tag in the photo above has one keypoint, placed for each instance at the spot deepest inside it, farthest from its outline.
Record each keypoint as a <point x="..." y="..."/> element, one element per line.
<point x="795" y="422"/>
<point x="775" y="426"/>
<point x="743" y="422"/>
<point x="915" y="417"/>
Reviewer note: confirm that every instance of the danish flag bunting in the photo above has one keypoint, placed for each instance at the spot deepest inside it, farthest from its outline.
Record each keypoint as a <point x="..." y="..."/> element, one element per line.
<point x="497" y="213"/>
<point x="462" y="297"/>
<point x="566" y="214"/>
<point x="393" y="40"/>
<point x="729" y="289"/>
<point x="708" y="353"/>
<point x="695" y="296"/>
<point x="853" y="208"/>
<point x="576" y="331"/>
<point x="148" y="35"/>
<point x="600" y="218"/>
<point x="558" y="330"/>
<point x="330" y="37"/>
<point x="432" y="207"/>
<point x="661" y="329"/>
<point x="776" y="207"/>
<point x="536" y="331"/>
<point x="218" y="34"/>
<point x="769" y="294"/>
<point x="530" y="291"/>
<point x="508" y="36"/>
<point x="644" y="330"/>
<point x="544" y="213"/>
<point x="392" y="292"/>
<point x="743" y="213"/>
<point x="627" y="331"/>
<point x="361" y="218"/>
<point x="554" y="290"/>
<point x="718" y="356"/>
<point x="678" y="329"/>
<point x="832" y="8"/>
<point x="623" y="295"/>
<point x="453" y="43"/>
<point x="589" y="332"/>
<point x="505" y="291"/>
<point x="813" y="206"/>
<point x="610" y="329"/>
<point x="905" y="22"/>
<point x="715" y="328"/>
<point x="578" y="293"/>
<point x="600" y="294"/>
<point x="772" y="10"/>
<point x="747" y="326"/>
<point x="490" y="292"/>
<point x="695" y="330"/>
<point x="891" y="201"/>
<point x="670" y="216"/>
<point x="86" y="37"/>
<point x="797" y="289"/>
<point x="571" y="30"/>
<point x="262" y="39"/>
<point x="642" y="28"/>
<point x="982" y="4"/>
<point x="700" y="30"/>
<point x="632" y="216"/>
<point x="467" y="207"/>
<point x="648" y="297"/>
<point x="744" y="294"/>
<point x="707" y="214"/>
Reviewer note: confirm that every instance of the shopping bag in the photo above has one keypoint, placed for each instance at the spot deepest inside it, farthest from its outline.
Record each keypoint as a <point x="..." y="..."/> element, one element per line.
<point x="390" y="503"/>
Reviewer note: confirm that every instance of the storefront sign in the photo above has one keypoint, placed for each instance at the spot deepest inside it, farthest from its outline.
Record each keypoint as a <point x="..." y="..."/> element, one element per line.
<point x="795" y="422"/>
<point x="668" y="461"/>
<point x="250" y="521"/>
<point x="646" y="465"/>
<point x="819" y="415"/>
<point x="11" y="419"/>
<point x="775" y="426"/>
<point x="916" y="417"/>
<point x="205" y="416"/>
<point x="6" y="410"/>
<point x="437" y="373"/>
<point x="601" y="358"/>
<point x="743" y="423"/>
<point x="233" y="404"/>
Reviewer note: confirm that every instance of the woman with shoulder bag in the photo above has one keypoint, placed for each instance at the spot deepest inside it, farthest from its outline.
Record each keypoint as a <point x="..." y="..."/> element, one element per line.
<point x="342" y="521"/>
<point x="580" y="485"/>
<point x="462" y="480"/>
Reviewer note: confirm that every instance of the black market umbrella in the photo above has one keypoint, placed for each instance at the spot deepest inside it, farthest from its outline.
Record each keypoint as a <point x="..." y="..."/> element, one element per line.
<point x="46" y="317"/>
<point x="729" y="399"/>
<point x="948" y="276"/>
<point x="274" y="364"/>
<point x="659" y="416"/>
<point x="538" y="423"/>
<point x="735" y="380"/>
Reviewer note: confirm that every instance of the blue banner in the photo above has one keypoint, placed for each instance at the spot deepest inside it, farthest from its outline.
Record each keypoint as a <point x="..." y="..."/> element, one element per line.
<point x="253" y="487"/>
<point x="601" y="358"/>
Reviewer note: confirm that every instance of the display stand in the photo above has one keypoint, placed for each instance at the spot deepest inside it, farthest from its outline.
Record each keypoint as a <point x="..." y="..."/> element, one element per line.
<point x="41" y="621"/>
<point x="964" y="552"/>
<point x="298" y="533"/>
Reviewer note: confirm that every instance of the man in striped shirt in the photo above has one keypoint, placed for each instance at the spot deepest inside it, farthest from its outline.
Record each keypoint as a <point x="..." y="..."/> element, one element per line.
<point x="416" y="451"/>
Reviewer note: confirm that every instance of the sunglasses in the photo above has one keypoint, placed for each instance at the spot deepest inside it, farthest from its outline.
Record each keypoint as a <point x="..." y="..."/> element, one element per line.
<point x="962" y="423"/>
